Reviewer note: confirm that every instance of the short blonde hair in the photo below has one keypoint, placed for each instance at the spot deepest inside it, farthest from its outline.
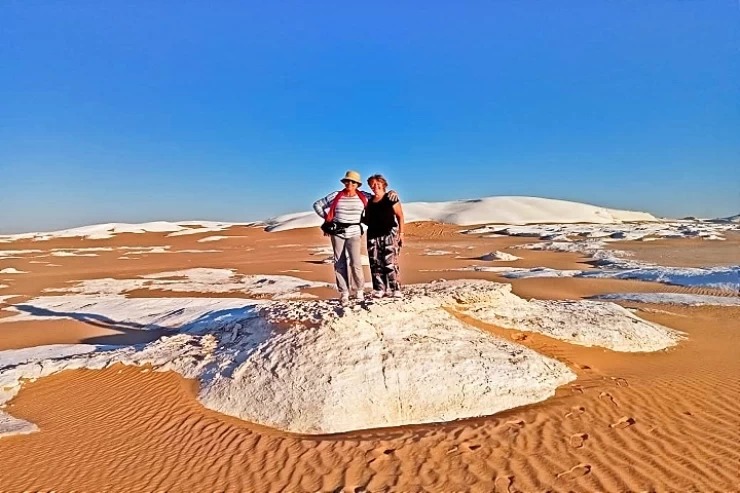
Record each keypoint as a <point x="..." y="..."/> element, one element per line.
<point x="379" y="178"/>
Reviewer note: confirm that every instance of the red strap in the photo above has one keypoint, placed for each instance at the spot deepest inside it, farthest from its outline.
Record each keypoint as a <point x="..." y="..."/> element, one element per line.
<point x="333" y="207"/>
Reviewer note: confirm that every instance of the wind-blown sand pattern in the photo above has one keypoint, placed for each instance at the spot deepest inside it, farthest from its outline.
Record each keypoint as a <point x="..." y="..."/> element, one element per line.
<point x="664" y="420"/>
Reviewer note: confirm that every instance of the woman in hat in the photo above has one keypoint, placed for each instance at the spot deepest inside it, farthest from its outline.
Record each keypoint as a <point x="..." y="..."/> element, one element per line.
<point x="385" y="225"/>
<point x="342" y="212"/>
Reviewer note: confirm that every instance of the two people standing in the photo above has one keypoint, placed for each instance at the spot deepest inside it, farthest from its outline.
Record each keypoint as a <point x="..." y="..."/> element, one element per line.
<point x="347" y="213"/>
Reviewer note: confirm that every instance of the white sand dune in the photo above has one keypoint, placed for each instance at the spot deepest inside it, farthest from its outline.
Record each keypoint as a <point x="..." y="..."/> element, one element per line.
<point x="109" y="230"/>
<point x="504" y="210"/>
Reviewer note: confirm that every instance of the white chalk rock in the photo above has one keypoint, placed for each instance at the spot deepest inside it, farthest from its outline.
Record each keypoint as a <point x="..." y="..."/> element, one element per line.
<point x="586" y="323"/>
<point x="499" y="256"/>
<point x="396" y="363"/>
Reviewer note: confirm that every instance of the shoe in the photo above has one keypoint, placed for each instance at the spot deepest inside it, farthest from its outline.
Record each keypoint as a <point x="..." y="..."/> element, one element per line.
<point x="378" y="294"/>
<point x="360" y="295"/>
<point x="397" y="293"/>
<point x="344" y="299"/>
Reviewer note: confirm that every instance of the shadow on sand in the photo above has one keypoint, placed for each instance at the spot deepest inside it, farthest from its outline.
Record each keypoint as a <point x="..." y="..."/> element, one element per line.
<point x="133" y="333"/>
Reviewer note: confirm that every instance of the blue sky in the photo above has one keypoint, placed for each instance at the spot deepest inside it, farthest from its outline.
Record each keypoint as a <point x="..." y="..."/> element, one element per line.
<point x="135" y="111"/>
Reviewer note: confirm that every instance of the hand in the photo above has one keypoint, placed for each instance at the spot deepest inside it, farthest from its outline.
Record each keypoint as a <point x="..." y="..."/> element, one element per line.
<point x="393" y="196"/>
<point x="400" y="240"/>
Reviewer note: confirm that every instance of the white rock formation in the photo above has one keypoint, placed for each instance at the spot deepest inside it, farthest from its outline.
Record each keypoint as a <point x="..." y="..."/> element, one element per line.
<point x="313" y="367"/>
<point x="499" y="256"/>
<point x="586" y="323"/>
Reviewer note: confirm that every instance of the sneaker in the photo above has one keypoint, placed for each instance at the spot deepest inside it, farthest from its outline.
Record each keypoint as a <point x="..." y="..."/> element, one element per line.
<point x="397" y="294"/>
<point x="360" y="295"/>
<point x="344" y="299"/>
<point x="378" y="294"/>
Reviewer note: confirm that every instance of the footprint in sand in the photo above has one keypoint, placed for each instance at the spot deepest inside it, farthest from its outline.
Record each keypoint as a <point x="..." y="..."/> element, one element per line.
<point x="519" y="337"/>
<point x="577" y="440"/>
<point x="575" y="411"/>
<point x="516" y="423"/>
<point x="623" y="422"/>
<point x="606" y="396"/>
<point x="621" y="382"/>
<point x="582" y="367"/>
<point x="502" y="484"/>
<point x="577" y="389"/>
<point x="575" y="471"/>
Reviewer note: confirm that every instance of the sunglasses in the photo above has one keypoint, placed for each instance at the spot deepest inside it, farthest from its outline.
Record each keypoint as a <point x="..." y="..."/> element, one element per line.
<point x="350" y="181"/>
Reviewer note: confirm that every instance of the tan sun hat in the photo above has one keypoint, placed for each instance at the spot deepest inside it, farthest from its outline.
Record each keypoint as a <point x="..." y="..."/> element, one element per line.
<point x="352" y="176"/>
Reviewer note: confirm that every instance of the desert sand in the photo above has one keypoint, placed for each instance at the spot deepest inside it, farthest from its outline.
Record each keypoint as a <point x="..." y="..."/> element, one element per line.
<point x="651" y="421"/>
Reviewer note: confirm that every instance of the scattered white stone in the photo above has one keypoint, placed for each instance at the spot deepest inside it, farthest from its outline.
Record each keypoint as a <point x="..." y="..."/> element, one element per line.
<point x="217" y="238"/>
<point x="150" y="250"/>
<point x="146" y="248"/>
<point x="83" y="249"/>
<point x="203" y="280"/>
<point x="436" y="252"/>
<point x="72" y="254"/>
<point x="672" y="298"/>
<point x="195" y="231"/>
<point x="197" y="251"/>
<point x="8" y="254"/>
<point x="499" y="256"/>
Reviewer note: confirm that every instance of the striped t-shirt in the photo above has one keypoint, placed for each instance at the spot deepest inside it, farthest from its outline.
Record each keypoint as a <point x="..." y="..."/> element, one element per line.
<point x="349" y="210"/>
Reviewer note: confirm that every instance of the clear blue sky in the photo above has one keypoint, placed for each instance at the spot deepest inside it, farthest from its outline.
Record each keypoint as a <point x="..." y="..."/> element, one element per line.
<point x="144" y="110"/>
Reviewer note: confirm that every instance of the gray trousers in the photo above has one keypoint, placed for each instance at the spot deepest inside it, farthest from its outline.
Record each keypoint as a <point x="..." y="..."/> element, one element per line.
<point x="350" y="278"/>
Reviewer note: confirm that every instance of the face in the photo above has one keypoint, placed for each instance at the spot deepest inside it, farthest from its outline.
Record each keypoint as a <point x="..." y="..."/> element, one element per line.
<point x="377" y="187"/>
<point x="350" y="185"/>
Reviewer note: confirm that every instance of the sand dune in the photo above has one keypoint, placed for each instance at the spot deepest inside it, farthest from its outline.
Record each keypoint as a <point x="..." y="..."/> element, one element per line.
<point x="662" y="421"/>
<point x="506" y="210"/>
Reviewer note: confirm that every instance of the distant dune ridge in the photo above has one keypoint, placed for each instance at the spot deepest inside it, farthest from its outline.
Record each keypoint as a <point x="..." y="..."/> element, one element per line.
<point x="502" y="210"/>
<point x="730" y="219"/>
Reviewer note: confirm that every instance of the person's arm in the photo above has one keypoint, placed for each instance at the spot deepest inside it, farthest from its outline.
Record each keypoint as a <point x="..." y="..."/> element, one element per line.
<point x="321" y="206"/>
<point x="401" y="223"/>
<point x="393" y="195"/>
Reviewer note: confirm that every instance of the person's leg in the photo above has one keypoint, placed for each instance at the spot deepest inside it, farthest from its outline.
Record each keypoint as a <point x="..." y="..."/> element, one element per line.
<point x="340" y="265"/>
<point x="376" y="268"/>
<point x="353" y="247"/>
<point x="390" y="263"/>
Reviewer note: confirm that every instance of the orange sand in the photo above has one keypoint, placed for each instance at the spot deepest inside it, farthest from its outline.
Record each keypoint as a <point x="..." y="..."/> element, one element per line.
<point x="666" y="421"/>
